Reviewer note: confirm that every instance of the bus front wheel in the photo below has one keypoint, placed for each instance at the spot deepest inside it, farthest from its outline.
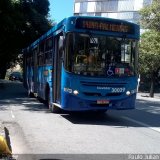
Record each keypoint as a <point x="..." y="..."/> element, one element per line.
<point x="30" y="94"/>
<point x="53" y="108"/>
<point x="101" y="111"/>
<point x="47" y="96"/>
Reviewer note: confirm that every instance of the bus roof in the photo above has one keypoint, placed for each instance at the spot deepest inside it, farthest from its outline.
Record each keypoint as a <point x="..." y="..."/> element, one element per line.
<point x="71" y="22"/>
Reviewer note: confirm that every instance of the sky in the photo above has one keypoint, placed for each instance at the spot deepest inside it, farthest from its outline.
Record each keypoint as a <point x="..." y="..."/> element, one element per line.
<point x="60" y="9"/>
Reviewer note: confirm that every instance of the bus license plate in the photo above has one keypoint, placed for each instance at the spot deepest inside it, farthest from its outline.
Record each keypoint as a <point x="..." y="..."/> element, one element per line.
<point x="102" y="102"/>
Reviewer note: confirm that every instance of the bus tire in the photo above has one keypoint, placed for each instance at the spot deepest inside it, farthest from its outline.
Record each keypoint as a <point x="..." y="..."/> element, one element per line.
<point x="51" y="107"/>
<point x="101" y="111"/>
<point x="54" y="109"/>
<point x="47" y="96"/>
<point x="30" y="94"/>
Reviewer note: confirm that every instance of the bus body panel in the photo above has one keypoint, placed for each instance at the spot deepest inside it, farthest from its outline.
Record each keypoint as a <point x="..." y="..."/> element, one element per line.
<point x="71" y="21"/>
<point x="93" y="91"/>
<point x="44" y="78"/>
<point x="79" y="92"/>
<point x="73" y="103"/>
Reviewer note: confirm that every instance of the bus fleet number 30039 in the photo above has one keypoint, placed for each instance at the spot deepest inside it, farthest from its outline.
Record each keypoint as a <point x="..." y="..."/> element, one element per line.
<point x="113" y="90"/>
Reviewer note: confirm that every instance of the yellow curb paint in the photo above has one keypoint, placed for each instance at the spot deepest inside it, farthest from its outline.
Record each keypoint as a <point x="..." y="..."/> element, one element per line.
<point x="4" y="149"/>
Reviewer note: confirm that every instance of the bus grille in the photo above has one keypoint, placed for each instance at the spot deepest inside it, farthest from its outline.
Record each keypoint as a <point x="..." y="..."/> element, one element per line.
<point x="101" y="84"/>
<point x="109" y="84"/>
<point x="91" y="94"/>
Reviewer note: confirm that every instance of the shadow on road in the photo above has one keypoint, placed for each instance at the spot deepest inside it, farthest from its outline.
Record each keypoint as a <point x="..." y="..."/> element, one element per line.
<point x="94" y="119"/>
<point x="11" y="90"/>
<point x="13" y="93"/>
<point x="145" y="113"/>
<point x="148" y="112"/>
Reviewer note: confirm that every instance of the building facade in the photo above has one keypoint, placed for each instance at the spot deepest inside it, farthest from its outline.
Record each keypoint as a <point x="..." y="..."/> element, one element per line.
<point x="119" y="9"/>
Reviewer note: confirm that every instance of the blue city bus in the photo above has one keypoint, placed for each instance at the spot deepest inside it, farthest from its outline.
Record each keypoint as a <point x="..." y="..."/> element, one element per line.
<point x="84" y="64"/>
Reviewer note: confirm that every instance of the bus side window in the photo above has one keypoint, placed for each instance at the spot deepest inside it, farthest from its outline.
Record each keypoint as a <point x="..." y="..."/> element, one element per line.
<point x="48" y="50"/>
<point x="40" y="59"/>
<point x="60" y="47"/>
<point x="48" y="57"/>
<point x="41" y="47"/>
<point x="49" y="44"/>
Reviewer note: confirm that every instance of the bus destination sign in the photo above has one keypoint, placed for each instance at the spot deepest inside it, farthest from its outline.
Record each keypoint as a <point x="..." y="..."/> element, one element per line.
<point x="104" y="25"/>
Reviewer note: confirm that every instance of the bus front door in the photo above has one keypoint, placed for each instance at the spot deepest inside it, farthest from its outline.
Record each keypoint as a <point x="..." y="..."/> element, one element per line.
<point x="58" y="68"/>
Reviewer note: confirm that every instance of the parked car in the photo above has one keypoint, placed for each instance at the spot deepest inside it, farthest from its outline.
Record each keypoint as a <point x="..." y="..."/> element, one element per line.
<point x="16" y="76"/>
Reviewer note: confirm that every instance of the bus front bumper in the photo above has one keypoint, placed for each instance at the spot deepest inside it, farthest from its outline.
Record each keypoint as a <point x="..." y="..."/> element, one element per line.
<point x="74" y="103"/>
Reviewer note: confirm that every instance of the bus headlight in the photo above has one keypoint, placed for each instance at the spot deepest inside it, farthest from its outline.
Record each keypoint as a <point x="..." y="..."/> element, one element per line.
<point x="75" y="92"/>
<point x="128" y="93"/>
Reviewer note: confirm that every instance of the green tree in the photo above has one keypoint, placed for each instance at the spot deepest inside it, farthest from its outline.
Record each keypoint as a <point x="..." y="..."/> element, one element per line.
<point x="150" y="42"/>
<point x="150" y="16"/>
<point x="150" y="56"/>
<point x="22" y="22"/>
<point x="36" y="20"/>
<point x="8" y="30"/>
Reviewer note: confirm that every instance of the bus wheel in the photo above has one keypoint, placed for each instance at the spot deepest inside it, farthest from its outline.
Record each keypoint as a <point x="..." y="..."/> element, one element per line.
<point x="54" y="109"/>
<point x="101" y="111"/>
<point x="48" y="101"/>
<point x="51" y="107"/>
<point x="47" y="95"/>
<point x="30" y="94"/>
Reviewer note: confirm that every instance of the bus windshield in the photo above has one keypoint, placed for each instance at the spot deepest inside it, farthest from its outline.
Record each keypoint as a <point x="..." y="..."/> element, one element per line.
<point x="100" y="55"/>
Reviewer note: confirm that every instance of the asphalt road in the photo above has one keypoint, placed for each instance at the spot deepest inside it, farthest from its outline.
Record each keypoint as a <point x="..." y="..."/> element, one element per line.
<point x="39" y="134"/>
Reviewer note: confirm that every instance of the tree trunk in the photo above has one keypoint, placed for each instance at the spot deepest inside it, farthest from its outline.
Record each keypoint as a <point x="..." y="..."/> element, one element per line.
<point x="3" y="69"/>
<point x="152" y="85"/>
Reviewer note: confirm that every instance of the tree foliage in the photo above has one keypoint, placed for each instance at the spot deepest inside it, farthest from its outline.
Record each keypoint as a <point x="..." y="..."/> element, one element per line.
<point x="150" y="43"/>
<point x="150" y="16"/>
<point x="150" y="51"/>
<point x="22" y="22"/>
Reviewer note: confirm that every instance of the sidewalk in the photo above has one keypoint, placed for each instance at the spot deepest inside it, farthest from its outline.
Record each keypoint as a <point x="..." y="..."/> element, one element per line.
<point x="145" y="96"/>
<point x="4" y="81"/>
<point x="1" y="83"/>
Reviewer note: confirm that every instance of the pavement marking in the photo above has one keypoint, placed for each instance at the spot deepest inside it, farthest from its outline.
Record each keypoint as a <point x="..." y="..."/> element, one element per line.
<point x="142" y="124"/>
<point x="31" y="103"/>
<point x="13" y="116"/>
